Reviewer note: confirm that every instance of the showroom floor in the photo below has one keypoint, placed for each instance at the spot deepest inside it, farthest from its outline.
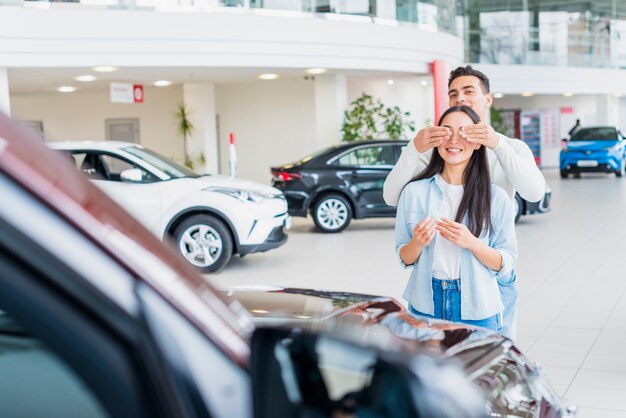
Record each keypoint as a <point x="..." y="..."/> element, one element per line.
<point x="572" y="282"/>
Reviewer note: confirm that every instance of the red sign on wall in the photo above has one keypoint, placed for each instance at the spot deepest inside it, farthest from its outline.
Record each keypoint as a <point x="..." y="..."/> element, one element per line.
<point x="138" y="93"/>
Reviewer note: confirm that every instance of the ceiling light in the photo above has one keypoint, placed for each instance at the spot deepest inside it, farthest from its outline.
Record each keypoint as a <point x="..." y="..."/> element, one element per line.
<point x="568" y="94"/>
<point x="268" y="76"/>
<point x="105" y="69"/>
<point x="66" y="89"/>
<point x="162" y="83"/>
<point x="527" y="94"/>
<point x="259" y="311"/>
<point x="85" y="78"/>
<point x="498" y="95"/>
<point x="316" y="70"/>
<point x="424" y="83"/>
<point x="617" y="94"/>
<point x="390" y="82"/>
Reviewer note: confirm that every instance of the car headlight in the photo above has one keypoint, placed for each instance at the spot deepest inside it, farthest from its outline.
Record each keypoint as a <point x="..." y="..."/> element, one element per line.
<point x="615" y="148"/>
<point x="239" y="194"/>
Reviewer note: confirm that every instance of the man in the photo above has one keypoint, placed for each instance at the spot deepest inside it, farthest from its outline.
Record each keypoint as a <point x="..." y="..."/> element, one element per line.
<point x="511" y="163"/>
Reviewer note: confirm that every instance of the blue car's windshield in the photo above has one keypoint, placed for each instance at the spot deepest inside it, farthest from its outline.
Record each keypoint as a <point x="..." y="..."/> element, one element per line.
<point x="169" y="167"/>
<point x="596" y="134"/>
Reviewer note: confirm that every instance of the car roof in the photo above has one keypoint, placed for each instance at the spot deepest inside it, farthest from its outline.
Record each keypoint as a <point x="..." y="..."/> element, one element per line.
<point x="96" y="145"/>
<point x="52" y="179"/>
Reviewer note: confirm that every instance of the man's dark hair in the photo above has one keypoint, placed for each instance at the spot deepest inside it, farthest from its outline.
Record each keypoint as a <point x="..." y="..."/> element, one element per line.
<point x="468" y="70"/>
<point x="476" y="200"/>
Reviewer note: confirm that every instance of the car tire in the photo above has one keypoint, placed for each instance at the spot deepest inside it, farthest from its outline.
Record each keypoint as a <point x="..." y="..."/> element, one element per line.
<point x="622" y="167"/>
<point x="519" y="207"/>
<point x="332" y="213"/>
<point x="564" y="174"/>
<point x="205" y="242"/>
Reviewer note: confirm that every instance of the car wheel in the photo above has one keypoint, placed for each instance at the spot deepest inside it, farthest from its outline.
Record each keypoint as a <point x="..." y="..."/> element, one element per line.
<point x="620" y="171"/>
<point x="519" y="207"/>
<point x="205" y="242"/>
<point x="332" y="213"/>
<point x="564" y="174"/>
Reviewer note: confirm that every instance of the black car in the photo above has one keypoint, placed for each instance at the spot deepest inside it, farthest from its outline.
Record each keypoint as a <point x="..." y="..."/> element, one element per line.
<point x="345" y="181"/>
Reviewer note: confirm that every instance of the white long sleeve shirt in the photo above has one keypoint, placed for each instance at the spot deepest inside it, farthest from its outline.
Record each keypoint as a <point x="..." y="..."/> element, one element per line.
<point x="511" y="164"/>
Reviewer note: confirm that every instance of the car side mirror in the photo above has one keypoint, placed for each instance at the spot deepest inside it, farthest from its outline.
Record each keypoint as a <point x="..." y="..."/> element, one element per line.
<point x="132" y="175"/>
<point x="298" y="373"/>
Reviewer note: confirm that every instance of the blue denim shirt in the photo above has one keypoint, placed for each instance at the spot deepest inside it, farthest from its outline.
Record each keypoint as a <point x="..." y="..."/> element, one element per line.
<point x="480" y="295"/>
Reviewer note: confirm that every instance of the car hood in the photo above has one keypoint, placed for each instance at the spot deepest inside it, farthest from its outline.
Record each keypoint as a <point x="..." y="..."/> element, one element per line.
<point x="590" y="145"/>
<point x="203" y="182"/>
<point x="329" y="310"/>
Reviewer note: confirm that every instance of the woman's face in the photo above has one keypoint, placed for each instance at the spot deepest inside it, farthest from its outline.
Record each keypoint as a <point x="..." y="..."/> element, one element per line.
<point x="457" y="150"/>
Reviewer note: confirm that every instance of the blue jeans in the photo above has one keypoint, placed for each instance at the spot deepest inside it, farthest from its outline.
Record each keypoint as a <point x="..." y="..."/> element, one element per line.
<point x="509" y="293"/>
<point x="447" y="301"/>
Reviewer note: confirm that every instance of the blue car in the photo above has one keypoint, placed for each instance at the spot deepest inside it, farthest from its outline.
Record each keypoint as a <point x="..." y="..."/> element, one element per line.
<point x="598" y="149"/>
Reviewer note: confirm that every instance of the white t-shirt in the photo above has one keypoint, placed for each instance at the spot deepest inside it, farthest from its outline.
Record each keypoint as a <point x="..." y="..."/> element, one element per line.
<point x="446" y="255"/>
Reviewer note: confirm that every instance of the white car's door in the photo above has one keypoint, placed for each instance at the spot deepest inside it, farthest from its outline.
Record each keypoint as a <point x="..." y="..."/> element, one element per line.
<point x="141" y="198"/>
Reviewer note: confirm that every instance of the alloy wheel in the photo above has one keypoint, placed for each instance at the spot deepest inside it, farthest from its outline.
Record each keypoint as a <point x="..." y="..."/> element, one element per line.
<point x="332" y="214"/>
<point x="201" y="245"/>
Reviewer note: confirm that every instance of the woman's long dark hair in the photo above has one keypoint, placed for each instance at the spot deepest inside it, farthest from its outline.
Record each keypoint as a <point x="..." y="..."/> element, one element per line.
<point x="476" y="200"/>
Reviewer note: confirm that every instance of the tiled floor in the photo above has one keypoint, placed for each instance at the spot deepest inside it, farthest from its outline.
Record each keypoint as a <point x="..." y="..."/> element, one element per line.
<point x="572" y="272"/>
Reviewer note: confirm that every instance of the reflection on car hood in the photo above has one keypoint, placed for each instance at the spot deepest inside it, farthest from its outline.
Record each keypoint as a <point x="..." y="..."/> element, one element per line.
<point x="232" y="183"/>
<point x="590" y="145"/>
<point x="329" y="310"/>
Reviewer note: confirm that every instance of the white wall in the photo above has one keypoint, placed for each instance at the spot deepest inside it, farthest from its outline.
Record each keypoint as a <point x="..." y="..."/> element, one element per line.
<point x="406" y="92"/>
<point x="273" y="121"/>
<point x="80" y="116"/>
<point x="584" y="106"/>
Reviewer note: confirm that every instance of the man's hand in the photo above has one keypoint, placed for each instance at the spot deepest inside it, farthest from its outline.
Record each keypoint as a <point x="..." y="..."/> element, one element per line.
<point x="424" y="232"/>
<point x="430" y="137"/>
<point x="480" y="133"/>
<point x="456" y="233"/>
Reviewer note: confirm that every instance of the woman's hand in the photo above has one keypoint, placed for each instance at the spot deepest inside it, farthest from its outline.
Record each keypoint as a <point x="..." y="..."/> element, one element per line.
<point x="456" y="233"/>
<point x="424" y="232"/>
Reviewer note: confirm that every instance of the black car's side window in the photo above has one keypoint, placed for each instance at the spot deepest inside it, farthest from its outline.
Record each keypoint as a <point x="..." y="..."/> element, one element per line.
<point x="382" y="155"/>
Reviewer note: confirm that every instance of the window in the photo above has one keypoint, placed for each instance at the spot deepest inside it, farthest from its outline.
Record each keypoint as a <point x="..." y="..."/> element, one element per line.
<point x="37" y="383"/>
<point x="369" y="156"/>
<point x="596" y="134"/>
<point x="108" y="167"/>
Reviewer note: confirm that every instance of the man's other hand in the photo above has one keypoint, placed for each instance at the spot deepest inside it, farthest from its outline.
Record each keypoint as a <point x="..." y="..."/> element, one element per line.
<point x="480" y="133"/>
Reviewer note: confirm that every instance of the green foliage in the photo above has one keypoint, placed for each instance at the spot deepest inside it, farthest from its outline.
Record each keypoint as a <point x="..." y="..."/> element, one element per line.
<point x="185" y="128"/>
<point x="497" y="121"/>
<point x="368" y="118"/>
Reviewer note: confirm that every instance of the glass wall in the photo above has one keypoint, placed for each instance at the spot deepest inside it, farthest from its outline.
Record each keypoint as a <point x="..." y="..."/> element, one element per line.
<point x="546" y="32"/>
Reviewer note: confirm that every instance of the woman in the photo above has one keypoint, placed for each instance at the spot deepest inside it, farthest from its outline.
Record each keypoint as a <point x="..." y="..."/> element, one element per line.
<point x="457" y="230"/>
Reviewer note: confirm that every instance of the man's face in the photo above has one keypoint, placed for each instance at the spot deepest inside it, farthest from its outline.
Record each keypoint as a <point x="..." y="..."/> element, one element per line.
<point x="467" y="91"/>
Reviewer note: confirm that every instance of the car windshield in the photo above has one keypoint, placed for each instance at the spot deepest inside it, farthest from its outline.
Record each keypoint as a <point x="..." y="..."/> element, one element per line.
<point x="596" y="134"/>
<point x="168" y="166"/>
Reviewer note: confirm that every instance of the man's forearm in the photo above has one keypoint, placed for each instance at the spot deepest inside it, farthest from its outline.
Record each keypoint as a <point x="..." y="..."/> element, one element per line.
<point x="519" y="166"/>
<point x="408" y="166"/>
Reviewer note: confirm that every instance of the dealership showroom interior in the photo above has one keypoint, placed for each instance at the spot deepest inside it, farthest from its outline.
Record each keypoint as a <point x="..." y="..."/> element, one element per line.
<point x="313" y="208"/>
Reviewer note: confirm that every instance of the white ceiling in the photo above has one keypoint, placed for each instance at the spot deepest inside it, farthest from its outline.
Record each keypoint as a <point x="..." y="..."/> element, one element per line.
<point x="37" y="80"/>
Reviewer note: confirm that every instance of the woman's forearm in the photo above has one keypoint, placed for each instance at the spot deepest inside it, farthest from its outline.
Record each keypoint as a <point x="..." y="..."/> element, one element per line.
<point x="487" y="255"/>
<point x="410" y="253"/>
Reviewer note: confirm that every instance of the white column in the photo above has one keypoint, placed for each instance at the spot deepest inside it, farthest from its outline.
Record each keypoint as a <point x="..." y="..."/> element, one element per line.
<point x="5" y="101"/>
<point x="200" y="101"/>
<point x="386" y="9"/>
<point x="607" y="110"/>
<point x="331" y="100"/>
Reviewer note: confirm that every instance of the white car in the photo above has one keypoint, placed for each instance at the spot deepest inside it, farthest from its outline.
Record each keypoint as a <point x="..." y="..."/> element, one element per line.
<point x="208" y="217"/>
